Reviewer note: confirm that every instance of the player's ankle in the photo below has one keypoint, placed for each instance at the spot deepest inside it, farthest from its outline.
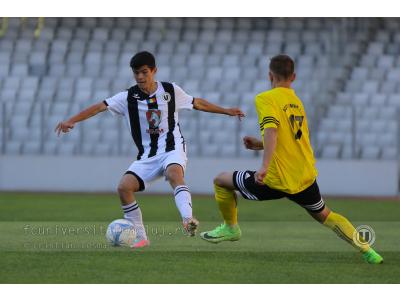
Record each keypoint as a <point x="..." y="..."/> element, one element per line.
<point x="365" y="250"/>
<point x="232" y="225"/>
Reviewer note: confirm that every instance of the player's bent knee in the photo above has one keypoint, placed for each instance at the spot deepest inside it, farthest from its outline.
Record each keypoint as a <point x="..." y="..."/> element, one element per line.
<point x="217" y="180"/>
<point x="322" y="215"/>
<point x="130" y="185"/>
<point x="174" y="174"/>
<point x="221" y="179"/>
<point x="123" y="189"/>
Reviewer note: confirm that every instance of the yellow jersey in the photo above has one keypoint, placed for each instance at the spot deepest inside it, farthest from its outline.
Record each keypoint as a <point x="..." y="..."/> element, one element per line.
<point x="292" y="167"/>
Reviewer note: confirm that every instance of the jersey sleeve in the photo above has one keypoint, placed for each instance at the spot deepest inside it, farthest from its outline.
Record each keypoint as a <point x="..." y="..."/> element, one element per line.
<point x="182" y="100"/>
<point x="117" y="104"/>
<point x="267" y="114"/>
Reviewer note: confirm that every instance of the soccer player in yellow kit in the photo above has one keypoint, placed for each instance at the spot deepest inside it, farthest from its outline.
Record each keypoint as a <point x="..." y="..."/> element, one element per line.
<point x="288" y="164"/>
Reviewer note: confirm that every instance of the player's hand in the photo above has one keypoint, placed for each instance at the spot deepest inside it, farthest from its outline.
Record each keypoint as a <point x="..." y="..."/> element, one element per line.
<point x="64" y="127"/>
<point x="260" y="175"/>
<point x="251" y="143"/>
<point x="235" y="112"/>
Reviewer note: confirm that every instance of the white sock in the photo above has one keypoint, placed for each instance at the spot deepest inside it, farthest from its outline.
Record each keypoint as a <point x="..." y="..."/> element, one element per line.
<point x="183" y="201"/>
<point x="133" y="213"/>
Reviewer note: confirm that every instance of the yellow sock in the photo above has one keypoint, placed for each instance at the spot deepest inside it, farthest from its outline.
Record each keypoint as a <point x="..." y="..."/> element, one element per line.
<point x="227" y="204"/>
<point x="344" y="229"/>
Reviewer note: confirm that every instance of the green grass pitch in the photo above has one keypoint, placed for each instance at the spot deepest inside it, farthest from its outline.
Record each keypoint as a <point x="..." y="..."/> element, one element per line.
<point x="59" y="238"/>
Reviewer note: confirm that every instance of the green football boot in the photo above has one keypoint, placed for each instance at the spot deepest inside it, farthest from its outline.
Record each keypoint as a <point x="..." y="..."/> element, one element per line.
<point x="222" y="233"/>
<point x="372" y="257"/>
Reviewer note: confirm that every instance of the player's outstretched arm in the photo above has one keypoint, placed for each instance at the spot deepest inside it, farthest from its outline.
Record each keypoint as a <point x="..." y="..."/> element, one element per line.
<point x="204" y="105"/>
<point x="252" y="143"/>
<point x="69" y="124"/>
<point x="270" y="140"/>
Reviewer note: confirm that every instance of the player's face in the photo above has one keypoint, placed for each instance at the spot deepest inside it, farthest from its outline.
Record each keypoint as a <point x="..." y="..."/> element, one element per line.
<point x="144" y="76"/>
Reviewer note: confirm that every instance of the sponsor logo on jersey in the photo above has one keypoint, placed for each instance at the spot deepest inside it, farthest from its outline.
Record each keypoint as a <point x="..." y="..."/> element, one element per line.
<point x="154" y="119"/>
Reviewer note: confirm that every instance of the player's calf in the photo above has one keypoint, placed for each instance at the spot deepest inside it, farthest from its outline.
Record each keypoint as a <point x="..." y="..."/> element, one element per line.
<point x="183" y="198"/>
<point x="130" y="207"/>
<point x="346" y="231"/>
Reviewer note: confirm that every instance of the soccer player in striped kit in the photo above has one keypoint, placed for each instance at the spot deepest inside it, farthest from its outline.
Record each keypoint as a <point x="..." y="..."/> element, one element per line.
<point x="150" y="109"/>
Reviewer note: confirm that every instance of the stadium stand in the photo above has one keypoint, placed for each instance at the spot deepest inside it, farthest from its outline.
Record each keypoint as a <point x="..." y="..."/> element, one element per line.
<point x="348" y="77"/>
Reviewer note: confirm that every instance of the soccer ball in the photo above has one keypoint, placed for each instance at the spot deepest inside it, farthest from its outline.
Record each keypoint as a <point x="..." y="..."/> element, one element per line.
<point x="121" y="233"/>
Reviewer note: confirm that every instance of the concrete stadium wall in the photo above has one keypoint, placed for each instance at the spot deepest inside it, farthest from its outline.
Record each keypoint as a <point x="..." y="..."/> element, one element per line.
<point x="101" y="174"/>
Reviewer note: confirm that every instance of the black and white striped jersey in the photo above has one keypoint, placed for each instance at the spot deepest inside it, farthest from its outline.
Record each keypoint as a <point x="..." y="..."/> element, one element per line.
<point x="152" y="119"/>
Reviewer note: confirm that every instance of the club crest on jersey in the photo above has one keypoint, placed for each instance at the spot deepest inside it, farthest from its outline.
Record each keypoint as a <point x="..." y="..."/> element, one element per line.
<point x="153" y="117"/>
<point x="166" y="97"/>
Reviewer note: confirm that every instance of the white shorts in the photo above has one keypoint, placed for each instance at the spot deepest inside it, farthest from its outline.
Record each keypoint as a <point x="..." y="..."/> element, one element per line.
<point x="148" y="170"/>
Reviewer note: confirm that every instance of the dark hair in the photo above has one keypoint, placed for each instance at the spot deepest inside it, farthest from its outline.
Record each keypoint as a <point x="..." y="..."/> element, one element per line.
<point x="282" y="65"/>
<point x="141" y="59"/>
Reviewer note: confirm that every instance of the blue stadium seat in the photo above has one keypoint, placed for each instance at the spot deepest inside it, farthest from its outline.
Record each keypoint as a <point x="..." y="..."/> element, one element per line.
<point x="75" y="61"/>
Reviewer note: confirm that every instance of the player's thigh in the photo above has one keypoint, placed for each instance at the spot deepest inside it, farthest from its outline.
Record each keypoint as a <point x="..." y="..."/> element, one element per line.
<point x="146" y="171"/>
<point x="244" y="182"/>
<point x="311" y="200"/>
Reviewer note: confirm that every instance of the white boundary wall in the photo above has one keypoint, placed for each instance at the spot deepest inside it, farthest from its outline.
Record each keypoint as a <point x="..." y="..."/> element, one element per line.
<point x="101" y="174"/>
